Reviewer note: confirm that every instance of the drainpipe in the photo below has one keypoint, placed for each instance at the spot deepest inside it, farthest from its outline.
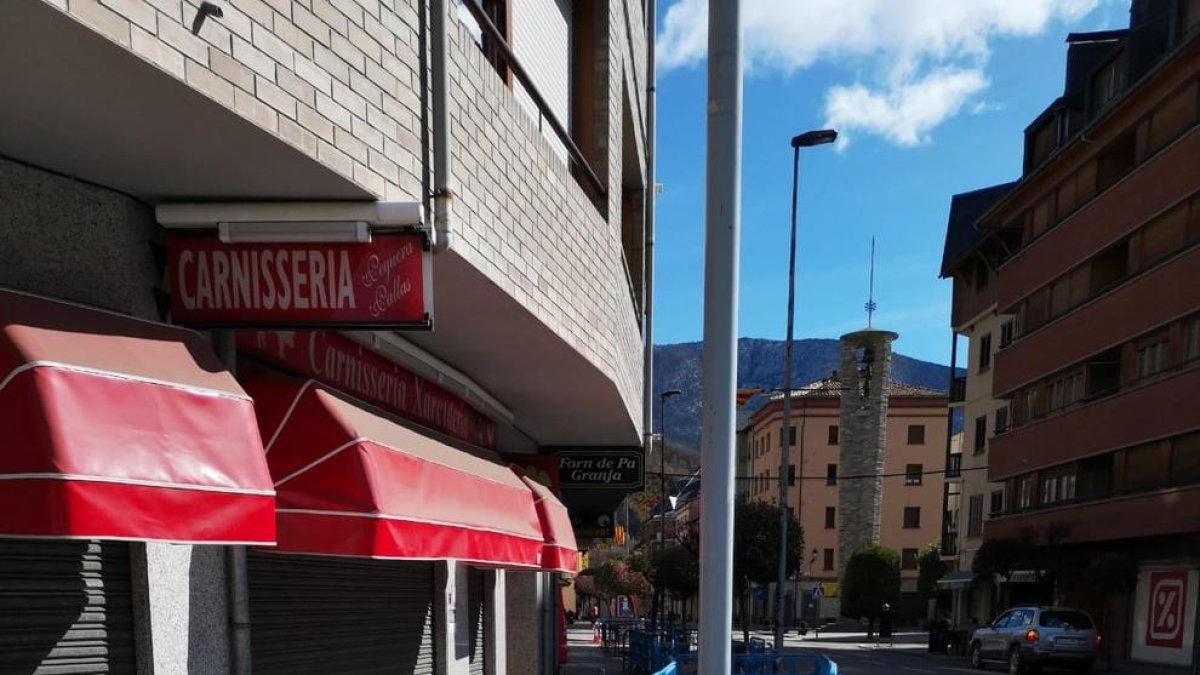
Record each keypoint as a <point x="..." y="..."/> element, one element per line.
<point x="237" y="586"/>
<point x="648" y="248"/>
<point x="442" y="195"/>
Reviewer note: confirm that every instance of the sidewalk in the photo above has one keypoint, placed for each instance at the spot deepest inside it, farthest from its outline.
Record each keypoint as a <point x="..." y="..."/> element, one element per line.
<point x="586" y="658"/>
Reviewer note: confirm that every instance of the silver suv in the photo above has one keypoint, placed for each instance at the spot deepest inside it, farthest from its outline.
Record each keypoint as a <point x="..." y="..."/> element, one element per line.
<point x="1027" y="638"/>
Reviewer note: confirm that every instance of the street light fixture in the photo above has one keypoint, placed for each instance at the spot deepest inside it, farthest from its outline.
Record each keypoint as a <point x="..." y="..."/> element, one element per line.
<point x="804" y="140"/>
<point x="662" y="473"/>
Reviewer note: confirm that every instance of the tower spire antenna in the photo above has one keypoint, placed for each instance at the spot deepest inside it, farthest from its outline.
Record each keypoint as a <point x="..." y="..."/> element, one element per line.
<point x="871" y="306"/>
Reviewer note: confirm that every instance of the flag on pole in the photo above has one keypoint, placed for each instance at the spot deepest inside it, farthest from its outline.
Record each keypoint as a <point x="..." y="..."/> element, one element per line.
<point x="744" y="395"/>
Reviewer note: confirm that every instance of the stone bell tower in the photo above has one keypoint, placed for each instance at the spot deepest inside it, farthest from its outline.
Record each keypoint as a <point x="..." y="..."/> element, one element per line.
<point x="866" y="366"/>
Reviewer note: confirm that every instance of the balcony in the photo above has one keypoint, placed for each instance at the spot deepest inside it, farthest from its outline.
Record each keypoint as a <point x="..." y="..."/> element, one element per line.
<point x="1160" y="512"/>
<point x="1132" y="308"/>
<point x="1159" y="408"/>
<point x="950" y="544"/>
<point x="958" y="389"/>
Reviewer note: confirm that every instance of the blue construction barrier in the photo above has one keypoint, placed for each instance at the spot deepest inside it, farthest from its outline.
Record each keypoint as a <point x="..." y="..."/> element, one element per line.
<point x="650" y="653"/>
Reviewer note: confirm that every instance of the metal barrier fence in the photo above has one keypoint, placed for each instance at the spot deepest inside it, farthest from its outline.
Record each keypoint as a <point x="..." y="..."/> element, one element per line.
<point x="665" y="654"/>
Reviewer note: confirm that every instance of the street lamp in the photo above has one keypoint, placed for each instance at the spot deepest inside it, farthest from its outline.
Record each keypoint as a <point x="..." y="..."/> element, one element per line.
<point x="805" y="140"/>
<point x="662" y="473"/>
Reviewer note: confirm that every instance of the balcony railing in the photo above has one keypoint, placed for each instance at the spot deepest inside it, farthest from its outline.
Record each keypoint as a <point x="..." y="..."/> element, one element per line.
<point x="958" y="389"/>
<point x="1103" y="496"/>
<point x="497" y="40"/>
<point x="954" y="466"/>
<point x="950" y="544"/>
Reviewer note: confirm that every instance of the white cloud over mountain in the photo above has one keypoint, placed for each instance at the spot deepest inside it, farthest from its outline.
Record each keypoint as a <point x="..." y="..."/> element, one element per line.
<point x="920" y="61"/>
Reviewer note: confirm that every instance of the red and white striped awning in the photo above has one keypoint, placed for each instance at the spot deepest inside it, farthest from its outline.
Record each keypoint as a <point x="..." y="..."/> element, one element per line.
<point x="352" y="482"/>
<point x="117" y="428"/>
<point x="560" y="553"/>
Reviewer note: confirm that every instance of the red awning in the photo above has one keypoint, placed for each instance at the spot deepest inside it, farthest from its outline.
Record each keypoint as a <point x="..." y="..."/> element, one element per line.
<point x="560" y="553"/>
<point x="352" y="482"/>
<point x="117" y="428"/>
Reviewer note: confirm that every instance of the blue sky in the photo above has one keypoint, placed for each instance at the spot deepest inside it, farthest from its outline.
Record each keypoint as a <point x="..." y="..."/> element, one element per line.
<point x="931" y="97"/>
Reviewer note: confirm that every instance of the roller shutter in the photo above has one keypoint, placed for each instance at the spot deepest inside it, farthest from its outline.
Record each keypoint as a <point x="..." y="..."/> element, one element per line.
<point x="477" y="608"/>
<point x="314" y="614"/>
<point x="65" y="608"/>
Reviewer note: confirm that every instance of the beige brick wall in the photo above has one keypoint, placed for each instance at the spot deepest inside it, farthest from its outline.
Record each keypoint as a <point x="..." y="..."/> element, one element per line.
<point x="340" y="81"/>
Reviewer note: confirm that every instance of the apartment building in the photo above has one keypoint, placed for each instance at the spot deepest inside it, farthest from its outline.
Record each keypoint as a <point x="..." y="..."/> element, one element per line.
<point x="914" y="465"/>
<point x="969" y="258"/>
<point x="1101" y="455"/>
<point x="412" y="235"/>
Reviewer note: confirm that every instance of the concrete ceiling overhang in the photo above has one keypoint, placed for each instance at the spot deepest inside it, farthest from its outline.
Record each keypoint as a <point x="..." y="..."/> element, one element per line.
<point x="557" y="396"/>
<point x="74" y="102"/>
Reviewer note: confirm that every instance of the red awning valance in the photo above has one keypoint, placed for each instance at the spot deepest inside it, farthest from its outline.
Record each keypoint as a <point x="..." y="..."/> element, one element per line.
<point x="560" y="553"/>
<point x="117" y="428"/>
<point x="353" y="482"/>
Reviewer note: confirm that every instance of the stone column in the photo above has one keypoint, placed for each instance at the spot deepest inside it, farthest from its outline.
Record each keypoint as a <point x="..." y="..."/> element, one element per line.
<point x="865" y="369"/>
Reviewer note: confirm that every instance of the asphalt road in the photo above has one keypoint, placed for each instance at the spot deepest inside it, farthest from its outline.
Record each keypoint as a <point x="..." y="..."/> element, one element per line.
<point x="856" y="660"/>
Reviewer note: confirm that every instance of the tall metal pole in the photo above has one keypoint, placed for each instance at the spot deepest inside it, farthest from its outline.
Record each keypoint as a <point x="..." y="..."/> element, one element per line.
<point x="721" y="251"/>
<point x="785" y="437"/>
<point x="648" y="248"/>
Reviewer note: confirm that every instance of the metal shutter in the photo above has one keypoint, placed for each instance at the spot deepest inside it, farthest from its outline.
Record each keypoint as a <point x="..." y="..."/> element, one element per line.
<point x="313" y="614"/>
<point x="65" y="607"/>
<point x="476" y="616"/>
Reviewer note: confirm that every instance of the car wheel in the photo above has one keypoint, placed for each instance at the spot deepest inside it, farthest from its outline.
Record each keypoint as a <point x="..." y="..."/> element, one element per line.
<point x="976" y="657"/>
<point x="1016" y="664"/>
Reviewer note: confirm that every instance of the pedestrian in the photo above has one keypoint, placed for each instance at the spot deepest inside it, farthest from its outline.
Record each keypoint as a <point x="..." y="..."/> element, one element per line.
<point x="885" y="624"/>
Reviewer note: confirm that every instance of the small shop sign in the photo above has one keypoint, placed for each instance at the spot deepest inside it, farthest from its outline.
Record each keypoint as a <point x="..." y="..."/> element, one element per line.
<point x="381" y="283"/>
<point x="586" y="469"/>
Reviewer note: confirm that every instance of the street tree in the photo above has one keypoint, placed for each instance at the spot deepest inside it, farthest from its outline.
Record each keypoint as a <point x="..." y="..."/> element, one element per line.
<point x="872" y="578"/>
<point x="756" y="549"/>
<point x="675" y="569"/>
<point x="930" y="568"/>
<point x="616" y="578"/>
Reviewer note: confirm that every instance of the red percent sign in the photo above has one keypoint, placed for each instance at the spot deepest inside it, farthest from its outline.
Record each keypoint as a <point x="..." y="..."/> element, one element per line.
<point x="1168" y="599"/>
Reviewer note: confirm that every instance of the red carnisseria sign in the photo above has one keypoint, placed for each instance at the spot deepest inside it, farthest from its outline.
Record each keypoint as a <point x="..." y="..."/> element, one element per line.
<point x="381" y="282"/>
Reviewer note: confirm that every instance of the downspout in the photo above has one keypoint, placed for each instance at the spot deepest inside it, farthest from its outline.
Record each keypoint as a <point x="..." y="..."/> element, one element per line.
<point x="442" y="195"/>
<point x="648" y="248"/>
<point x="236" y="580"/>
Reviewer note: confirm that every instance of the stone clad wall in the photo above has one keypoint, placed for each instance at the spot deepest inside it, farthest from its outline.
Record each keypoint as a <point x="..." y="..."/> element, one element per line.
<point x="863" y="439"/>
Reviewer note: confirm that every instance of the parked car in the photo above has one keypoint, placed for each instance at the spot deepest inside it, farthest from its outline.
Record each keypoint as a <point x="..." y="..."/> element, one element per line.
<point x="1027" y="638"/>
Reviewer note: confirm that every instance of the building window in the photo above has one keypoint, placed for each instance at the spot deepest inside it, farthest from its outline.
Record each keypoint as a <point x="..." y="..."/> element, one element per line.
<point x="985" y="352"/>
<point x="980" y="434"/>
<point x="1025" y="492"/>
<point x="791" y="436"/>
<point x="908" y="559"/>
<point x="913" y="474"/>
<point x="828" y="559"/>
<point x="916" y="434"/>
<point x="975" y="516"/>
<point x="1001" y="420"/>
<point x="830" y="517"/>
<point x="1006" y="333"/>
<point x="832" y="439"/>
<point x="1191" y="340"/>
<point x="831" y="474"/>
<point x="791" y="474"/>
<point x="1152" y="359"/>
<point x="997" y="502"/>
<point x="912" y="517"/>
<point x="1050" y="490"/>
<point x="1066" y="391"/>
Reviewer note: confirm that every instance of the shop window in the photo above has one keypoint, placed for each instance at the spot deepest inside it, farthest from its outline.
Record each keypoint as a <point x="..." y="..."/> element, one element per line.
<point x="997" y="505"/>
<point x="908" y="559"/>
<point x="832" y="438"/>
<point x="830" y="517"/>
<point x="975" y="516"/>
<point x="980" y="434"/>
<point x="912" y="517"/>
<point x="985" y="352"/>
<point x="914" y="474"/>
<point x="831" y="474"/>
<point x="916" y="434"/>
<point x="828" y="559"/>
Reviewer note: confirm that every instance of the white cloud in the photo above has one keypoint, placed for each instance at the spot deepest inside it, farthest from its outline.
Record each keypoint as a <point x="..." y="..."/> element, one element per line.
<point x="924" y="59"/>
